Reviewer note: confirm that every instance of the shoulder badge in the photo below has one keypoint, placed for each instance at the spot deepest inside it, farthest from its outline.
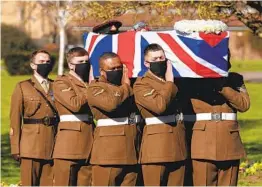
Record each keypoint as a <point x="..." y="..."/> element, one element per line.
<point x="66" y="90"/>
<point x="98" y="93"/>
<point x="149" y="93"/>
<point x="11" y="132"/>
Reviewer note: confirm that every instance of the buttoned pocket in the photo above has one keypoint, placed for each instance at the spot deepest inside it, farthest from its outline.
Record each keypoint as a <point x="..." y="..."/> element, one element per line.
<point x="158" y="142"/>
<point x="200" y="126"/>
<point x="158" y="129"/>
<point x="70" y="126"/>
<point x="235" y="146"/>
<point x="199" y="142"/>
<point x="110" y="143"/>
<point x="31" y="105"/>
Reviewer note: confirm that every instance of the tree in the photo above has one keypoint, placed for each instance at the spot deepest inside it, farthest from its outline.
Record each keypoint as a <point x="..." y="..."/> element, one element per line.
<point x="62" y="13"/>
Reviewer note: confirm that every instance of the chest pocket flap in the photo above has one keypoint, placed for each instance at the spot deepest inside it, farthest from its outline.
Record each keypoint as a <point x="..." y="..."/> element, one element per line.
<point x="31" y="105"/>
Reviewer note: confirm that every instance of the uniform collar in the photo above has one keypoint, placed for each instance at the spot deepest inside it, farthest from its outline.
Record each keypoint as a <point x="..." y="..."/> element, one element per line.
<point x="76" y="80"/>
<point x="150" y="75"/>
<point x="75" y="75"/>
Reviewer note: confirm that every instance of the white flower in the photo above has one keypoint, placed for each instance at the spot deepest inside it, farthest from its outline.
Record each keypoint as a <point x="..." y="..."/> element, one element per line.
<point x="207" y="26"/>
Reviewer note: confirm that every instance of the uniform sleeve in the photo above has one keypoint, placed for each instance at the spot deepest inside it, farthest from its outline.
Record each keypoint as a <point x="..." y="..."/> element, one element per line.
<point x="153" y="100"/>
<point x="236" y="93"/>
<point x="66" y="96"/>
<point x="102" y="97"/>
<point x="16" y="113"/>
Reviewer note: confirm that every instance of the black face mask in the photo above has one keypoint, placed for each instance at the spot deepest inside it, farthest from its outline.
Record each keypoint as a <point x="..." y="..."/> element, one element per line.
<point x="82" y="70"/>
<point x="44" y="69"/>
<point x="115" y="77"/>
<point x="159" y="68"/>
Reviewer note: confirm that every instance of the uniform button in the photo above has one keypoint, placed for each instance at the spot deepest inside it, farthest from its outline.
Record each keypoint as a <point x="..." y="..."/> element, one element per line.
<point x="47" y="105"/>
<point x="215" y="100"/>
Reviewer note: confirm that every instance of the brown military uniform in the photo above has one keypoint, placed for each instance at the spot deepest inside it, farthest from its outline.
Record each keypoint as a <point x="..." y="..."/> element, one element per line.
<point x="163" y="148"/>
<point x="75" y="132"/>
<point x="113" y="155"/>
<point x="32" y="141"/>
<point x="216" y="145"/>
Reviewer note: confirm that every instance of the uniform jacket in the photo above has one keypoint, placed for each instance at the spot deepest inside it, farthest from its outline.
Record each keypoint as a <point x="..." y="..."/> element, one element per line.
<point x="112" y="144"/>
<point x="74" y="139"/>
<point x="31" y="140"/>
<point x="218" y="140"/>
<point x="160" y="142"/>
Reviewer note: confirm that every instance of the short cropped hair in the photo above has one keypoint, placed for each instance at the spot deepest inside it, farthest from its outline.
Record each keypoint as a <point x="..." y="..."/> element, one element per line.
<point x="152" y="47"/>
<point x="105" y="56"/>
<point x="75" y="52"/>
<point x="32" y="57"/>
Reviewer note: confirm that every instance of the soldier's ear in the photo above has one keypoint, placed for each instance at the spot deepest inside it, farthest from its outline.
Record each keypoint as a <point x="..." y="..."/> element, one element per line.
<point x="147" y="64"/>
<point x="33" y="66"/>
<point x="70" y="66"/>
<point x="102" y="73"/>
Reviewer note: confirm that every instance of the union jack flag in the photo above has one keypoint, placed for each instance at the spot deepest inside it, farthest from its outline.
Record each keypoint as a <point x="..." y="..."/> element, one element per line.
<point x="196" y="55"/>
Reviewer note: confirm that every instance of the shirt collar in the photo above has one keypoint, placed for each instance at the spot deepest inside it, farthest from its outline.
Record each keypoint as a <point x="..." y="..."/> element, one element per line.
<point x="40" y="79"/>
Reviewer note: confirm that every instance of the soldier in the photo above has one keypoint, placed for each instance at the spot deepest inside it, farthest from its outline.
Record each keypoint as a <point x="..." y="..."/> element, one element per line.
<point x="33" y="120"/>
<point x="163" y="149"/>
<point x="75" y="131"/>
<point x="114" y="156"/>
<point x="216" y="146"/>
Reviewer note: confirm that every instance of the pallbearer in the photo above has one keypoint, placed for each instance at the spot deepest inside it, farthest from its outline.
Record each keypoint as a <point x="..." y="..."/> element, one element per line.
<point x="75" y="131"/>
<point x="114" y="157"/>
<point x="163" y="149"/>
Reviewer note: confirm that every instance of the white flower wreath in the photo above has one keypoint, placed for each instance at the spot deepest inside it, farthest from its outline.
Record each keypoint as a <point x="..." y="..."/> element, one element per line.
<point x="207" y="26"/>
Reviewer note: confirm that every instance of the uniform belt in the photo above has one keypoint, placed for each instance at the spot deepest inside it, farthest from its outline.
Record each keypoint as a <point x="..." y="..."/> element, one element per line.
<point x="119" y="121"/>
<point x="48" y="121"/>
<point x="211" y="117"/>
<point x="77" y="117"/>
<point x="164" y="119"/>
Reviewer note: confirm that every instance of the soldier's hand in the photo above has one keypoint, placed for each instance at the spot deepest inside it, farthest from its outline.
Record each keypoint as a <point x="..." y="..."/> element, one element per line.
<point x="16" y="157"/>
<point x="91" y="75"/>
<point x="125" y="78"/>
<point x="169" y="72"/>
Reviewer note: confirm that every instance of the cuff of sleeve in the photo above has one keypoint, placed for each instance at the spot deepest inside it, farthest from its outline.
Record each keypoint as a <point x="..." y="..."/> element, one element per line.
<point x="15" y="149"/>
<point x="173" y="87"/>
<point x="227" y="92"/>
<point x="128" y="89"/>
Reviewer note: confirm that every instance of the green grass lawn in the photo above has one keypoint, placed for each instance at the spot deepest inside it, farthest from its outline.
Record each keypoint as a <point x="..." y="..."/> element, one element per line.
<point x="251" y="127"/>
<point x="244" y="66"/>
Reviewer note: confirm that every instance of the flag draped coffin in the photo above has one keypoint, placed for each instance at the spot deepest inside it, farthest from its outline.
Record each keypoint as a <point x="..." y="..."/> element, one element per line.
<point x="195" y="55"/>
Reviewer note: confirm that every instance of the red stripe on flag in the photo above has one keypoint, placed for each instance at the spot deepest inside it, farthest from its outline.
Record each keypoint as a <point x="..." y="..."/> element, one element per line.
<point x="186" y="58"/>
<point x="93" y="39"/>
<point x="126" y="50"/>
